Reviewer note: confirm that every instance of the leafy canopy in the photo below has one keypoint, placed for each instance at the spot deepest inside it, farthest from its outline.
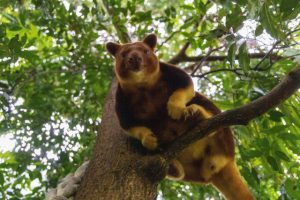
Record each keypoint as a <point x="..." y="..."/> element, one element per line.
<point x="55" y="72"/>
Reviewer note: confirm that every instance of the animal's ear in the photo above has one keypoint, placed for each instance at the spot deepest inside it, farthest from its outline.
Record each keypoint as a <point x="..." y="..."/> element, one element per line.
<point x="113" y="48"/>
<point x="150" y="40"/>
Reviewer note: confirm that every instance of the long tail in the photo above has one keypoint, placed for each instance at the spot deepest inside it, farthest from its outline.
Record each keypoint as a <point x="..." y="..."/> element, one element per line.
<point x="176" y="171"/>
<point x="230" y="183"/>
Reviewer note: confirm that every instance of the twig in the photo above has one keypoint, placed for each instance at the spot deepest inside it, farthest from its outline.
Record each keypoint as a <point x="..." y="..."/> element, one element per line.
<point x="172" y="34"/>
<point x="204" y="59"/>
<point x="267" y="54"/>
<point x="273" y="47"/>
<point x="167" y="39"/>
<point x="293" y="31"/>
<point x="219" y="70"/>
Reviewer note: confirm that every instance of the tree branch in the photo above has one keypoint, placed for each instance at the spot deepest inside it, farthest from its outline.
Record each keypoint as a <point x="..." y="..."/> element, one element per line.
<point x="184" y="58"/>
<point x="239" y="116"/>
<point x="199" y="65"/>
<point x="119" y="28"/>
<point x="181" y="55"/>
<point x="267" y="54"/>
<point x="236" y="71"/>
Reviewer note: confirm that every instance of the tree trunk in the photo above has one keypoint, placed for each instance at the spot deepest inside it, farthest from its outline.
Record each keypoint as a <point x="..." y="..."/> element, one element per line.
<point x="114" y="169"/>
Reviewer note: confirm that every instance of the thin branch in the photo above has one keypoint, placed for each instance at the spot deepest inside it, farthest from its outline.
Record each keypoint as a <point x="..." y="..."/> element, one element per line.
<point x="236" y="71"/>
<point x="293" y="31"/>
<point x="174" y="33"/>
<point x="292" y="56"/>
<point x="185" y="58"/>
<point x="168" y="38"/>
<point x="267" y="54"/>
<point x="287" y="46"/>
<point x="273" y="47"/>
<point x="181" y="55"/>
<point x="239" y="116"/>
<point x="205" y="58"/>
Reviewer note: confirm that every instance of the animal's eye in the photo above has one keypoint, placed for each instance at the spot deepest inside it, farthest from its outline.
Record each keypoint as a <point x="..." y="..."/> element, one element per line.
<point x="147" y="51"/>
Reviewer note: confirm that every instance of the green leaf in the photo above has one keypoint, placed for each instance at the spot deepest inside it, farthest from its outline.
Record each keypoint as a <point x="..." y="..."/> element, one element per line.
<point x="276" y="129"/>
<point x="8" y="157"/>
<point x="244" y="59"/>
<point x="187" y="24"/>
<point x="289" y="7"/>
<point x="234" y="22"/>
<point x="289" y="136"/>
<point x="276" y="115"/>
<point x="268" y="21"/>
<point x="11" y="18"/>
<point x="29" y="55"/>
<point x="141" y="16"/>
<point x="231" y="54"/>
<point x="272" y="161"/>
<point x="252" y="154"/>
<point x="292" y="188"/>
<point x="263" y="144"/>
<point x="282" y="156"/>
<point x="15" y="44"/>
<point x="1" y="178"/>
<point x="259" y="30"/>
<point x="188" y="7"/>
<point x="255" y="175"/>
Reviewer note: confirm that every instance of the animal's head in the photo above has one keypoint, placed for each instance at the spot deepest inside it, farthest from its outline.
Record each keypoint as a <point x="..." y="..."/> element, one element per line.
<point x="136" y="62"/>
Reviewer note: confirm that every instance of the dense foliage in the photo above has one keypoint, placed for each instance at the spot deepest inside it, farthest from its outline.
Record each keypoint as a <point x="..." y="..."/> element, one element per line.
<point x="54" y="75"/>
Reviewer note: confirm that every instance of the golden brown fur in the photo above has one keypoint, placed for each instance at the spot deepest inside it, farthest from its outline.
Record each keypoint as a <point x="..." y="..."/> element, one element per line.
<point x="156" y="102"/>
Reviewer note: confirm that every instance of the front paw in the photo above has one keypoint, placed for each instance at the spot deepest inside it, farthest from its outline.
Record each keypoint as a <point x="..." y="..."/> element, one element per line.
<point x="195" y="110"/>
<point x="175" y="110"/>
<point x="149" y="141"/>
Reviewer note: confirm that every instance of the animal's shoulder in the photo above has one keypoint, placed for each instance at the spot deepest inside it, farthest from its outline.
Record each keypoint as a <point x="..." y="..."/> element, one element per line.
<point x="176" y="77"/>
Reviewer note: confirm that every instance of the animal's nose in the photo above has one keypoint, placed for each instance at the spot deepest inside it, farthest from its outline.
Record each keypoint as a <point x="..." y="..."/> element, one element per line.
<point x="134" y="59"/>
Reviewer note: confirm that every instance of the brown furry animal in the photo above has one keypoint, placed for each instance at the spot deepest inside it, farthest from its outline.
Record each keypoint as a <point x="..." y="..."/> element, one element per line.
<point x="156" y="102"/>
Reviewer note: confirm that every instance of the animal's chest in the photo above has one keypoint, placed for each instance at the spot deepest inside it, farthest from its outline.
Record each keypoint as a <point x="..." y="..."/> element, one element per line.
<point x="149" y="104"/>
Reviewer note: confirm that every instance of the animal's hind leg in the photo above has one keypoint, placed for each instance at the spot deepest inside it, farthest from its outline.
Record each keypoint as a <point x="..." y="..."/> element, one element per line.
<point x="230" y="183"/>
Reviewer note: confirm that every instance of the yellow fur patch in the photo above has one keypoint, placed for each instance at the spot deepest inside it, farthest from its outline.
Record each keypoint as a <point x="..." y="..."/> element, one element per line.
<point x="177" y="101"/>
<point x="213" y="164"/>
<point x="177" y="108"/>
<point x="145" y="135"/>
<point x="194" y="151"/>
<point x="140" y="78"/>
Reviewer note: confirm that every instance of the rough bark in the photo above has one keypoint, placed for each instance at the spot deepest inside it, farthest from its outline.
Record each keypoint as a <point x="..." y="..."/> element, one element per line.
<point x="115" y="170"/>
